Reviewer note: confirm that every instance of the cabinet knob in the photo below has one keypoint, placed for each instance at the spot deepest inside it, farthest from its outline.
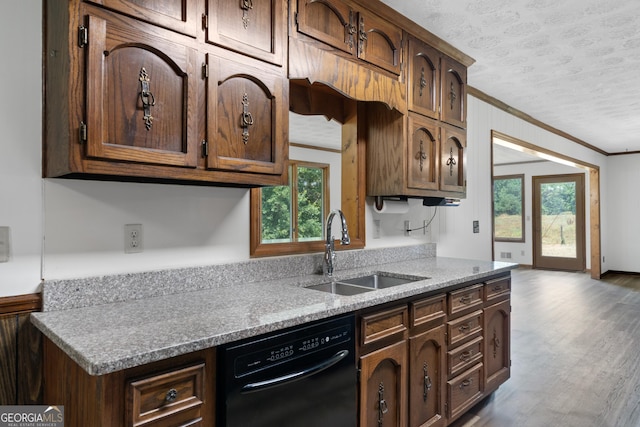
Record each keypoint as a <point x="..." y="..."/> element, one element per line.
<point x="171" y="395"/>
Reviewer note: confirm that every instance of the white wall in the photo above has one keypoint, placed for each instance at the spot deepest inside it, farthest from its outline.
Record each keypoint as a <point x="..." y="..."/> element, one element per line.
<point x="623" y="191"/>
<point x="522" y="253"/>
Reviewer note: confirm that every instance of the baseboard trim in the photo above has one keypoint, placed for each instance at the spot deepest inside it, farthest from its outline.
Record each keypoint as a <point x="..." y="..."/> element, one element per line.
<point x="20" y="304"/>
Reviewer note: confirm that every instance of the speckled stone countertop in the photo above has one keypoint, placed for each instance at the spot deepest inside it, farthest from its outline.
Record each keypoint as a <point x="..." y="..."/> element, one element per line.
<point x="112" y="336"/>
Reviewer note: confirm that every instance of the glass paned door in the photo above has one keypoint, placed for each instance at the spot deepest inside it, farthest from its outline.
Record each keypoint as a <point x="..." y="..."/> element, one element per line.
<point x="558" y="203"/>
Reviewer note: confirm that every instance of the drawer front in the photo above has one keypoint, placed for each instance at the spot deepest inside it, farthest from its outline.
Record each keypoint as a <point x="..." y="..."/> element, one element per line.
<point x="464" y="356"/>
<point x="497" y="289"/>
<point x="464" y="300"/>
<point x="428" y="312"/>
<point x="160" y="396"/>
<point x="384" y="325"/>
<point x="464" y="328"/>
<point x="464" y="390"/>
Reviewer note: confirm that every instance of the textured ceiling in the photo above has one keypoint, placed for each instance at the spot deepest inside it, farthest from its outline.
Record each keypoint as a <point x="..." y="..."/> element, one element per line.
<point x="572" y="64"/>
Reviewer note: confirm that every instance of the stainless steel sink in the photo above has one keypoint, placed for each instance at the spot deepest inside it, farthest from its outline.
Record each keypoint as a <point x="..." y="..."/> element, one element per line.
<point x="380" y="281"/>
<point x="339" y="288"/>
<point x="369" y="282"/>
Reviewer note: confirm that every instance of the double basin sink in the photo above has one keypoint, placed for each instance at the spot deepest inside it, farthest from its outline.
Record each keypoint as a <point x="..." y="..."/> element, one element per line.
<point x="367" y="283"/>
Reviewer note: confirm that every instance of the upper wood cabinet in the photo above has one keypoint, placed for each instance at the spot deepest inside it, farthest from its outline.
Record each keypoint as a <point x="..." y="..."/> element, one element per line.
<point x="247" y="133"/>
<point x="255" y="28"/>
<point x="423" y="79"/>
<point x="436" y="84"/>
<point x="177" y="15"/>
<point x="141" y="98"/>
<point x="352" y="29"/>
<point x="128" y="98"/>
<point x="453" y="92"/>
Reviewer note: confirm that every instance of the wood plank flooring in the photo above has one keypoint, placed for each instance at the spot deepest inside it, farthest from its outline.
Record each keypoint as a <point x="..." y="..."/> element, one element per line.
<point x="575" y="354"/>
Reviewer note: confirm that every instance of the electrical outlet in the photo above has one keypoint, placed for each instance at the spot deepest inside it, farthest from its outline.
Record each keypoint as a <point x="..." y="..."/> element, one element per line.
<point x="376" y="228"/>
<point x="133" y="242"/>
<point x="425" y="225"/>
<point x="407" y="227"/>
<point x="476" y="226"/>
<point x="4" y="244"/>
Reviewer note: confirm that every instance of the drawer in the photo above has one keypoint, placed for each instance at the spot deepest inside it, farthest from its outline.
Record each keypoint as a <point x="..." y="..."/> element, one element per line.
<point x="464" y="328"/>
<point x="428" y="312"/>
<point x="384" y="325"/>
<point x="464" y="300"/>
<point x="465" y="356"/>
<point x="497" y="290"/>
<point x="168" y="394"/>
<point x="464" y="391"/>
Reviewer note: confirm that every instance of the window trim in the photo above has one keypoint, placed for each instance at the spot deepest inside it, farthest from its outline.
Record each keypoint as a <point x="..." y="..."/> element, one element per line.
<point x="284" y="248"/>
<point x="522" y="239"/>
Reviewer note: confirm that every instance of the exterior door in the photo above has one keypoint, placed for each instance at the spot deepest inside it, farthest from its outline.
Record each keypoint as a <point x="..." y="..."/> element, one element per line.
<point x="559" y="222"/>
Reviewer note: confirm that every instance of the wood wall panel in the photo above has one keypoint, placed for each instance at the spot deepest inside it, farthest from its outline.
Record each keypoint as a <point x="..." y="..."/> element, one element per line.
<point x="20" y="353"/>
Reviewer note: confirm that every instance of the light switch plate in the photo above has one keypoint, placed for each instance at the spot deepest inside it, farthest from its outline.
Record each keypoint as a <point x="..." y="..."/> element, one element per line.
<point x="4" y="244"/>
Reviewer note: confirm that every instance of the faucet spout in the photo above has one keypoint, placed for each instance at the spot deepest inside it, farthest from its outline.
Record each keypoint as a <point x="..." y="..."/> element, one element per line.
<point x="329" y="248"/>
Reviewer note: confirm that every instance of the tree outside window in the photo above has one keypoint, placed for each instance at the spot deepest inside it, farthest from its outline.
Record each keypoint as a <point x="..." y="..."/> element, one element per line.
<point x="508" y="208"/>
<point x="296" y="212"/>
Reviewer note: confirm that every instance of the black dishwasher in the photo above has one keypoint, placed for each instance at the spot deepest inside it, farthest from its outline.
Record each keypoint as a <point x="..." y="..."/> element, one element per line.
<point x="299" y="377"/>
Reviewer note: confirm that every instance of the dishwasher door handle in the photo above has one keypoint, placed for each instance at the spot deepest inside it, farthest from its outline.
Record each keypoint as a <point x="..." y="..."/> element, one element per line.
<point x="274" y="382"/>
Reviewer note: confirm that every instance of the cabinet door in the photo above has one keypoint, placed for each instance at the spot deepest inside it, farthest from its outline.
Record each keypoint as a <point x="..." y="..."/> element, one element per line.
<point x="252" y="27"/>
<point x="453" y="92"/>
<point x="497" y="344"/>
<point x="426" y="378"/>
<point x="422" y="159"/>
<point x="383" y="387"/>
<point x="177" y="15"/>
<point x="330" y="21"/>
<point x="247" y="120"/>
<point x="423" y="79"/>
<point x="379" y="42"/>
<point x="452" y="167"/>
<point x="140" y="95"/>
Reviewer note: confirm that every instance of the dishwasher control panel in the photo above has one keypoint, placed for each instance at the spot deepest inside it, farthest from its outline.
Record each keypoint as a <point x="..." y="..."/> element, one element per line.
<point x="289" y="348"/>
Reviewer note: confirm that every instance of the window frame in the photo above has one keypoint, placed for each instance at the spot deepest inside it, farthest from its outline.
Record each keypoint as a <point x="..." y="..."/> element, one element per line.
<point x="521" y="177"/>
<point x="258" y="248"/>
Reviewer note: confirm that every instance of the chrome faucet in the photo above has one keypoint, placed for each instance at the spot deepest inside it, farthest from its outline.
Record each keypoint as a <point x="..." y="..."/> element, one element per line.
<point x="329" y="249"/>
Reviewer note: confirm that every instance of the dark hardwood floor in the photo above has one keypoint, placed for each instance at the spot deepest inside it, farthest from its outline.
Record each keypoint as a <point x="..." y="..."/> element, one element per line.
<point x="575" y="354"/>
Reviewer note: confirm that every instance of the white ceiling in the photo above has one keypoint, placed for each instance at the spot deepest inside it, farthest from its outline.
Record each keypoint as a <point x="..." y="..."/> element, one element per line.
<point x="572" y="64"/>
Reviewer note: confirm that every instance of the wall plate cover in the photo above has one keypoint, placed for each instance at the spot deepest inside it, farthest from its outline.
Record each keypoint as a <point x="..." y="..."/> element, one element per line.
<point x="4" y="244"/>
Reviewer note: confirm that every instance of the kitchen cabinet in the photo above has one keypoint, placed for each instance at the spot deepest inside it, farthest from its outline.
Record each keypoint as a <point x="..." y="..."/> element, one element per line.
<point x="171" y="392"/>
<point x="423" y="78"/>
<point x="453" y="92"/>
<point x="256" y="28"/>
<point x="130" y="97"/>
<point x="352" y="29"/>
<point x="383" y="367"/>
<point x="413" y="156"/>
<point x="497" y="326"/>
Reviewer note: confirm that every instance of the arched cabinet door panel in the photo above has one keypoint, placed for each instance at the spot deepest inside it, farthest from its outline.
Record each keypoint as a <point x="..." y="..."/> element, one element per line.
<point x="247" y="124"/>
<point x="383" y="386"/>
<point x="422" y="159"/>
<point x="427" y="378"/>
<point x="423" y="79"/>
<point x="379" y="41"/>
<point x="141" y="96"/>
<point x="329" y="21"/>
<point x="453" y="92"/>
<point x="452" y="160"/>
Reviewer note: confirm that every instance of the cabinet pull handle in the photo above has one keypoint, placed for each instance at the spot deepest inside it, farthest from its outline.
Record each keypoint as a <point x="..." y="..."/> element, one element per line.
<point x="423" y="81"/>
<point x="171" y="395"/>
<point x="466" y="383"/>
<point x="246" y="119"/>
<point x="451" y="162"/>
<point x="465" y="299"/>
<point x="246" y="6"/>
<point x="362" y="37"/>
<point x="496" y="288"/>
<point x="427" y="383"/>
<point x="466" y="355"/>
<point x="422" y="155"/>
<point x="382" y="404"/>
<point x="147" y="98"/>
<point x="464" y="328"/>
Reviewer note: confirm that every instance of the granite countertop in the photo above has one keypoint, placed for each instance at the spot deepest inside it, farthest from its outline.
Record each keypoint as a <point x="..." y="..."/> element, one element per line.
<point x="113" y="336"/>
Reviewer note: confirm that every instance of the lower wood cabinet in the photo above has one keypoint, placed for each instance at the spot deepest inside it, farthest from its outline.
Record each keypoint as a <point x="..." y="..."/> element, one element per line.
<point x="427" y="360"/>
<point x="179" y="391"/>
